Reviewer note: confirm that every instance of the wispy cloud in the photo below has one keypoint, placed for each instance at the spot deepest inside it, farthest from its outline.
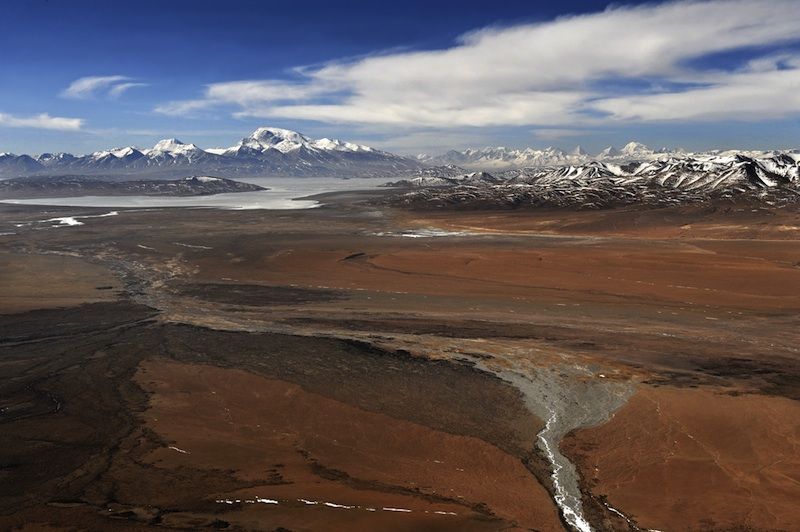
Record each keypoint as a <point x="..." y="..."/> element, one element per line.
<point x="245" y="94"/>
<point x="552" y="74"/>
<point x="42" y="121"/>
<point x="763" y="90"/>
<point x="92" y="86"/>
<point x="184" y="107"/>
<point x="117" y="90"/>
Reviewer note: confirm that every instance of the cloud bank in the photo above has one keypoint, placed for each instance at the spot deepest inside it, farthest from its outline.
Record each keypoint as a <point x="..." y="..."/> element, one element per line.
<point x="623" y="64"/>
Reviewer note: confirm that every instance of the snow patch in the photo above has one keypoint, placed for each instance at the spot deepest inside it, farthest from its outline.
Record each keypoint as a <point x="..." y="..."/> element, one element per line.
<point x="178" y="449"/>
<point x="192" y="246"/>
<point x="65" y="221"/>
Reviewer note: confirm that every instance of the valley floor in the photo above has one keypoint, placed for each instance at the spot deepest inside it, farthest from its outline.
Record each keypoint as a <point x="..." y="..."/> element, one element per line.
<point x="357" y="367"/>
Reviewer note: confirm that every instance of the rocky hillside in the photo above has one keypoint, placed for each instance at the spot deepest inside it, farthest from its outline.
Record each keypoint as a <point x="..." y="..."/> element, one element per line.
<point x="65" y="186"/>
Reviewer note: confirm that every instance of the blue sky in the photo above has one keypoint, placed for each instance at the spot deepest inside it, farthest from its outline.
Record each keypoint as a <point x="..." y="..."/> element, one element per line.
<point x="408" y="76"/>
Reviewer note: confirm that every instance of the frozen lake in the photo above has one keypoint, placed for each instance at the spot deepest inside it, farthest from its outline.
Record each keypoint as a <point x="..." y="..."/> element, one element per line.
<point x="282" y="194"/>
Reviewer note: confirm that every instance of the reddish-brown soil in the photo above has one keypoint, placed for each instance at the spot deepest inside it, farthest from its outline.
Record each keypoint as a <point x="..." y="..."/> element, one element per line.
<point x="677" y="459"/>
<point x="301" y="355"/>
<point x="288" y="444"/>
<point x="725" y="220"/>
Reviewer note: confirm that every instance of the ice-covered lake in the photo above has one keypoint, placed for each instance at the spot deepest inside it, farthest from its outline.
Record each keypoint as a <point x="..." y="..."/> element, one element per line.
<point x="282" y="194"/>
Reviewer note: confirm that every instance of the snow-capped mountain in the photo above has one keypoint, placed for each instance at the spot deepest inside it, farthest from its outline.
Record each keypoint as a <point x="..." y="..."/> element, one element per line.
<point x="54" y="159"/>
<point x="635" y="150"/>
<point x="11" y="164"/>
<point x="774" y="176"/>
<point x="501" y="158"/>
<point x="711" y="172"/>
<point x="421" y="181"/>
<point x="285" y="141"/>
<point x="267" y="151"/>
<point x="607" y="153"/>
<point x="173" y="148"/>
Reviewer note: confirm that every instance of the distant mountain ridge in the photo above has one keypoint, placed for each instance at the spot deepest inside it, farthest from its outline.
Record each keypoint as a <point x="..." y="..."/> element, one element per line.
<point x="65" y="186"/>
<point x="501" y="158"/>
<point x="271" y="151"/>
<point x="268" y="151"/>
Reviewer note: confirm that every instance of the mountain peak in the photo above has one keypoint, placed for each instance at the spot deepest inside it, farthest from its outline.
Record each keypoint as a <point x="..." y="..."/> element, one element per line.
<point x="276" y="134"/>
<point x="167" y="144"/>
<point x="610" y="150"/>
<point x="578" y="151"/>
<point x="338" y="145"/>
<point x="636" y="148"/>
<point x="126" y="151"/>
<point x="283" y="140"/>
<point x="286" y="140"/>
<point x="173" y="146"/>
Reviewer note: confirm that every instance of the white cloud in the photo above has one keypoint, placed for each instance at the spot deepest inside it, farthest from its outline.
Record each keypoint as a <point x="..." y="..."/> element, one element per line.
<point x="549" y="74"/>
<point x="117" y="90"/>
<point x="425" y="141"/>
<point x="246" y="94"/>
<point x="767" y="89"/>
<point x="42" y="121"/>
<point x="91" y="86"/>
<point x="255" y="92"/>
<point x="184" y="107"/>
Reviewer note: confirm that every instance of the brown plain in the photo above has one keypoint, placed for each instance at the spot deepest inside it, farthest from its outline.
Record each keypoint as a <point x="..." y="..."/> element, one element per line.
<point x="700" y="306"/>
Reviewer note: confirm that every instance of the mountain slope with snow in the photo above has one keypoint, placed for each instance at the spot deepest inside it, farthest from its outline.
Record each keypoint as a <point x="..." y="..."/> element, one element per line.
<point x="772" y="177"/>
<point x="11" y="164"/>
<point x="267" y="151"/>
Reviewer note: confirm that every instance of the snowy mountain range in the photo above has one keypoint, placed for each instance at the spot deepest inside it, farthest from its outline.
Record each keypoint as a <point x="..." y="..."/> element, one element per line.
<point x="660" y="181"/>
<point x="270" y="151"/>
<point x="688" y="172"/>
<point x="500" y="158"/>
<point x="267" y="151"/>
